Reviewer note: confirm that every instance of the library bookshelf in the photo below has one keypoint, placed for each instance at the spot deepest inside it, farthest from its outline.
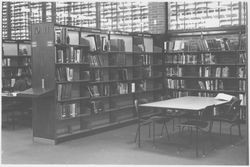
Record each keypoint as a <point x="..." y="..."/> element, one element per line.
<point x="91" y="79"/>
<point x="205" y="65"/>
<point x="16" y="62"/>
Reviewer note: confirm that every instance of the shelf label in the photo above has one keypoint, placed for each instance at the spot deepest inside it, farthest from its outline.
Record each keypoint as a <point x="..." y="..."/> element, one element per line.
<point x="34" y="44"/>
<point x="50" y="43"/>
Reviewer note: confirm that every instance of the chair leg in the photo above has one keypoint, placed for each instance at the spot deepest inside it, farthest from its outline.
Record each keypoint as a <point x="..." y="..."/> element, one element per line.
<point x="173" y="124"/>
<point x="13" y="120"/>
<point x="149" y="131"/>
<point x="196" y="148"/>
<point x="153" y="133"/>
<point x="239" y="130"/>
<point x="166" y="130"/>
<point x="191" y="134"/>
<point x="231" y="134"/>
<point x="136" y="134"/>
<point x="162" y="128"/>
<point x="220" y="128"/>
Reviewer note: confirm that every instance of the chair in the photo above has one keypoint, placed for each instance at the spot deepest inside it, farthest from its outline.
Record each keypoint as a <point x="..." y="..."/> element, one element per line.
<point x="151" y="120"/>
<point x="230" y="115"/>
<point x="200" y="122"/>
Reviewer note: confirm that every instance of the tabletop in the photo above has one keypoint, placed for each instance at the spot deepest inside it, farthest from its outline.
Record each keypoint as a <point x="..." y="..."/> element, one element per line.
<point x="186" y="103"/>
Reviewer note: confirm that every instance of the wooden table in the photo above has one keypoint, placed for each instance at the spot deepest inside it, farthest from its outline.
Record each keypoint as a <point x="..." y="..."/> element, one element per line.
<point x="187" y="103"/>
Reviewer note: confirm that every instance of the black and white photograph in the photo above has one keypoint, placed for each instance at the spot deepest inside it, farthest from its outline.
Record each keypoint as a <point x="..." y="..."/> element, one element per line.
<point x="124" y="83"/>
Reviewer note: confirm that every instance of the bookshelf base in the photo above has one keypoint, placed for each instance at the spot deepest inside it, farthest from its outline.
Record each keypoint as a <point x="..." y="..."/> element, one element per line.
<point x="96" y="130"/>
<point x="43" y="140"/>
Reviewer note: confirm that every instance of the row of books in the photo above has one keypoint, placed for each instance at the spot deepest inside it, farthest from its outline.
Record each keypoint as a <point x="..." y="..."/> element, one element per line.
<point x="97" y="60"/>
<point x="17" y="72"/>
<point x="8" y="82"/>
<point x="176" y="94"/>
<point x="174" y="71"/>
<point x="242" y="85"/>
<point x="143" y="59"/>
<point x="70" y="55"/>
<point x="119" y="59"/>
<point x="67" y="91"/>
<point x="182" y="59"/>
<point x="7" y="62"/>
<point x="120" y="74"/>
<point x="96" y="90"/>
<point x="175" y="83"/>
<point x="68" y="110"/>
<point x="217" y="44"/>
<point x="72" y="74"/>
<point x="208" y="71"/>
<point x="62" y="36"/>
<point x="67" y="74"/>
<point x="121" y="88"/>
<point x="211" y="85"/>
<point x="204" y="58"/>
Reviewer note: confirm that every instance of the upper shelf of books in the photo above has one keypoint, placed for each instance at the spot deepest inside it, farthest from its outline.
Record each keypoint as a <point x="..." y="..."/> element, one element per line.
<point x="104" y="41"/>
<point x="16" y="48"/>
<point x="225" y="45"/>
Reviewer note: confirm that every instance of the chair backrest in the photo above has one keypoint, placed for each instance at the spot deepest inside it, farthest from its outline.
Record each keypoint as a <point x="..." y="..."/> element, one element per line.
<point x="234" y="109"/>
<point x="207" y="113"/>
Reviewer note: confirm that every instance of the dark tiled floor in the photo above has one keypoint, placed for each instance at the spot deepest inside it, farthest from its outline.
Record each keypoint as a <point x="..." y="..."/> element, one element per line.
<point x="117" y="147"/>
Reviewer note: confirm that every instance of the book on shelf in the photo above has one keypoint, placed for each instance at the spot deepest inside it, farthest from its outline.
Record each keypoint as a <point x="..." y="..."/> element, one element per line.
<point x="241" y="72"/>
<point x="95" y="40"/>
<point x="24" y="49"/>
<point x="220" y="85"/>
<point x="242" y="85"/>
<point x="138" y="44"/>
<point x="13" y="81"/>
<point x="92" y="43"/>
<point x="225" y="71"/>
<point x="105" y="44"/>
<point x="120" y="59"/>
<point x="97" y="106"/>
<point x="202" y="86"/>
<point x="64" y="91"/>
<point x="207" y="71"/>
<point x="106" y="91"/>
<point x="123" y="74"/>
<point x="122" y="88"/>
<point x="218" y="72"/>
<point x="85" y="75"/>
<point x="242" y="97"/>
<point x="68" y="110"/>
<point x="61" y="36"/>
<point x="242" y="58"/>
<point x="73" y="37"/>
<point x="117" y="45"/>
<point x="133" y="87"/>
<point x="94" y="91"/>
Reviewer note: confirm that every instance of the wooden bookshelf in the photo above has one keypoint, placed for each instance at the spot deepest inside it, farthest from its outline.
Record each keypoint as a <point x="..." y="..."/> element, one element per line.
<point x="95" y="76"/>
<point x="16" y="61"/>
<point x="207" y="65"/>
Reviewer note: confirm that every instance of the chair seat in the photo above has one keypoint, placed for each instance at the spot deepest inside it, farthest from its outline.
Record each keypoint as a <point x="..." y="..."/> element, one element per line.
<point x="194" y="124"/>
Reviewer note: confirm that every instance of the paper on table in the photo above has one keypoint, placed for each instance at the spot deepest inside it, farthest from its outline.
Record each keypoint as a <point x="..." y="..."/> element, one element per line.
<point x="223" y="96"/>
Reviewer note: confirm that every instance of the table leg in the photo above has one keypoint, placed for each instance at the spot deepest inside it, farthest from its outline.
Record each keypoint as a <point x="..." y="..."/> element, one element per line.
<point x="196" y="142"/>
<point x="139" y="130"/>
